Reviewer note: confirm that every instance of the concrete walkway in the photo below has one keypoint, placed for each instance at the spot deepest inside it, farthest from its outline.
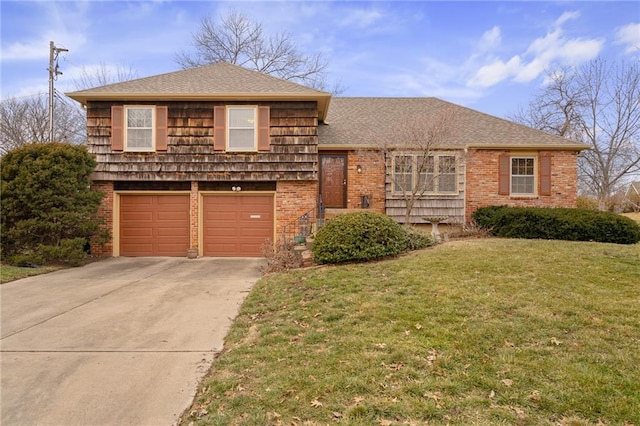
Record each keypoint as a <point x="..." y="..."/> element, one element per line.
<point x="123" y="341"/>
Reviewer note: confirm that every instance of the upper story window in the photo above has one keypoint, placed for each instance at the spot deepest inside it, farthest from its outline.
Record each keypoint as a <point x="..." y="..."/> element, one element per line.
<point x="522" y="175"/>
<point x="241" y="128"/>
<point x="435" y="174"/>
<point x="140" y="125"/>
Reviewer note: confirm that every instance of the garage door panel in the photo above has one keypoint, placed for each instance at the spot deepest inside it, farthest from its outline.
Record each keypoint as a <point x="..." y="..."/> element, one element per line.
<point x="237" y="225"/>
<point x="136" y="232"/>
<point x="154" y="225"/>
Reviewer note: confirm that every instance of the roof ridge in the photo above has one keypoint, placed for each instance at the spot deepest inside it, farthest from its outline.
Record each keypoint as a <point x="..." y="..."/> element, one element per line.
<point x="181" y="73"/>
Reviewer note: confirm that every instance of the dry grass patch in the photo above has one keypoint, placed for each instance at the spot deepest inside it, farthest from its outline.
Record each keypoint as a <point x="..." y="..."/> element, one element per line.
<point x="635" y="216"/>
<point x="470" y="332"/>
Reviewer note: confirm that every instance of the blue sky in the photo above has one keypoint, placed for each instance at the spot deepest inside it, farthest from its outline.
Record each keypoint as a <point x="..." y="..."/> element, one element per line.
<point x="490" y="56"/>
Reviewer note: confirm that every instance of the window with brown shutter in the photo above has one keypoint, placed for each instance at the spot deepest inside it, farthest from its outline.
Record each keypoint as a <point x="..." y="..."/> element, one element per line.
<point x="219" y="128"/>
<point x="263" y="128"/>
<point x="504" y="174"/>
<point x="545" y="174"/>
<point x="161" y="128"/>
<point x="117" y="128"/>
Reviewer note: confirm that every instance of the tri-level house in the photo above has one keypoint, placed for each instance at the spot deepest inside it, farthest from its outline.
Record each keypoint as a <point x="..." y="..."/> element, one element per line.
<point x="216" y="160"/>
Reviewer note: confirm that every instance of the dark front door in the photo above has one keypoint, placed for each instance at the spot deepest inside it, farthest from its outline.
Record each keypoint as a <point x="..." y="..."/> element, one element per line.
<point x="333" y="180"/>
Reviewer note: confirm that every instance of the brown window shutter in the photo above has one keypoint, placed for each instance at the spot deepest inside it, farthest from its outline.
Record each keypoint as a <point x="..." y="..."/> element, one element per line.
<point x="263" y="128"/>
<point x="545" y="173"/>
<point x="161" y="128"/>
<point x="219" y="128"/>
<point x="504" y="174"/>
<point x="117" y="128"/>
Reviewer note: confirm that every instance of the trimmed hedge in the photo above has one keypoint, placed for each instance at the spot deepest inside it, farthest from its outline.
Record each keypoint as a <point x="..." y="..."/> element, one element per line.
<point x="363" y="236"/>
<point x="558" y="224"/>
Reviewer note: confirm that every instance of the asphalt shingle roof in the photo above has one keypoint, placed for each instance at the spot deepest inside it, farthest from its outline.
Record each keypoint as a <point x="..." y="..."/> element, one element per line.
<point x="220" y="78"/>
<point x="376" y="122"/>
<point x="221" y="81"/>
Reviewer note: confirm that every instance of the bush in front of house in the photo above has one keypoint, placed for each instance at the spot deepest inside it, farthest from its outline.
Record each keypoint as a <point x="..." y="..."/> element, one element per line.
<point x="358" y="237"/>
<point x="48" y="210"/>
<point x="417" y="239"/>
<point x="558" y="224"/>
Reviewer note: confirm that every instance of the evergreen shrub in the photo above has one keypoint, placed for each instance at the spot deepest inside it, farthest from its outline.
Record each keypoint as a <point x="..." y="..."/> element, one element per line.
<point x="558" y="224"/>
<point x="48" y="210"/>
<point x="359" y="237"/>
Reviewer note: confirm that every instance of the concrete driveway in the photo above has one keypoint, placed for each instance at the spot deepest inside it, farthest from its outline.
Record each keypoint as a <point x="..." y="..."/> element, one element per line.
<point x="123" y="341"/>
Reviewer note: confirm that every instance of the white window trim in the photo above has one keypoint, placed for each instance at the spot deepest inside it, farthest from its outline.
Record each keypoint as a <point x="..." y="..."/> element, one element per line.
<point x="535" y="176"/>
<point x="153" y="128"/>
<point x="228" y="128"/>
<point x="415" y="175"/>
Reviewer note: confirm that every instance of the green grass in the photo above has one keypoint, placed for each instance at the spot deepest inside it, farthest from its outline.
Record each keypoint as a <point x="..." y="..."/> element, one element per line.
<point x="12" y="273"/>
<point x="485" y="332"/>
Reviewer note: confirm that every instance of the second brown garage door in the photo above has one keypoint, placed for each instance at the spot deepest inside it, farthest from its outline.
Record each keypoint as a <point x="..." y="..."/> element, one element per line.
<point x="154" y="225"/>
<point x="237" y="225"/>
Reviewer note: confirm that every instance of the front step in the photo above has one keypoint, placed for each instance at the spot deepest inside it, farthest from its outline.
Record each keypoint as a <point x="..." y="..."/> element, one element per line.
<point x="333" y="212"/>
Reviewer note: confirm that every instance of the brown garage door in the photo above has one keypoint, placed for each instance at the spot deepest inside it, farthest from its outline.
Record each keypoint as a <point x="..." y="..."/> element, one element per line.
<point x="237" y="225"/>
<point x="154" y="225"/>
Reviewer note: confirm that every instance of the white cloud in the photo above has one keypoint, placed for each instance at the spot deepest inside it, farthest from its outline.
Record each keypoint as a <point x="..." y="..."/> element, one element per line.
<point x="541" y="54"/>
<point x="567" y="16"/>
<point x="629" y="35"/>
<point x="495" y="72"/>
<point x="360" y="18"/>
<point x="490" y="39"/>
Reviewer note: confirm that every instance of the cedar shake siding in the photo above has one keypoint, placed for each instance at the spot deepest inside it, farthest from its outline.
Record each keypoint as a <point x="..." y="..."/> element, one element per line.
<point x="287" y="148"/>
<point x="430" y="204"/>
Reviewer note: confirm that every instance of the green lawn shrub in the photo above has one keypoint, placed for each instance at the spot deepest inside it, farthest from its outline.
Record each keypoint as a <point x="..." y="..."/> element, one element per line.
<point x="558" y="224"/>
<point x="417" y="239"/>
<point x="359" y="237"/>
<point x="48" y="211"/>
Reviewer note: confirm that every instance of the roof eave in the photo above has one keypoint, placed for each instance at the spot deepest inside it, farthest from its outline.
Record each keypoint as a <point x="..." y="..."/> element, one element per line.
<point x="513" y="147"/>
<point x="528" y="147"/>
<point x="322" y="99"/>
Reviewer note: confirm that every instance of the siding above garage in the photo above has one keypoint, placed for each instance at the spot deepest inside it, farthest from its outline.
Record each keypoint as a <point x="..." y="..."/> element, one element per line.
<point x="190" y="154"/>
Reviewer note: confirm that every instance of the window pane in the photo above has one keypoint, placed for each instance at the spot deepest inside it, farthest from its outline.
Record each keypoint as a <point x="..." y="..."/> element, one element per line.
<point x="139" y="138"/>
<point x="426" y="181"/>
<point x="139" y="117"/>
<point x="522" y="184"/>
<point x="241" y="118"/>
<point x="522" y="166"/>
<point x="241" y="139"/>
<point x="447" y="164"/>
<point x="403" y="172"/>
<point x="447" y="183"/>
<point x="447" y="173"/>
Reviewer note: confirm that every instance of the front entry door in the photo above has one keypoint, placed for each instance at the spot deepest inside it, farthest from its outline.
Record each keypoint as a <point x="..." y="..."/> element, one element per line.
<point x="333" y="180"/>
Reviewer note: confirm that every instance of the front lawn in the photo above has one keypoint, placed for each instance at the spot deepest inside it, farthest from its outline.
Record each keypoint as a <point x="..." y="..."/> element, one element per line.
<point x="469" y="332"/>
<point x="635" y="216"/>
<point x="11" y="273"/>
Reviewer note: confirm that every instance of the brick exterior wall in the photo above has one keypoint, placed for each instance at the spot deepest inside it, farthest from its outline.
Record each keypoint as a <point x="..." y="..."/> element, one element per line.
<point x="369" y="182"/>
<point x="193" y="215"/>
<point x="105" y="211"/>
<point x="482" y="181"/>
<point x="293" y="199"/>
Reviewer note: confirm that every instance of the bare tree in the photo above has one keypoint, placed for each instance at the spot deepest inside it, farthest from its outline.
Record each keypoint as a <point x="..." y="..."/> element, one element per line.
<point x="103" y="75"/>
<point x="26" y="120"/>
<point x="236" y="39"/>
<point x="420" y="163"/>
<point x="598" y="104"/>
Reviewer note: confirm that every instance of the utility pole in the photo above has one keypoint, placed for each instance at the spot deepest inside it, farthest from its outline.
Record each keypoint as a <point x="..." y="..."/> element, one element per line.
<point x="53" y="75"/>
